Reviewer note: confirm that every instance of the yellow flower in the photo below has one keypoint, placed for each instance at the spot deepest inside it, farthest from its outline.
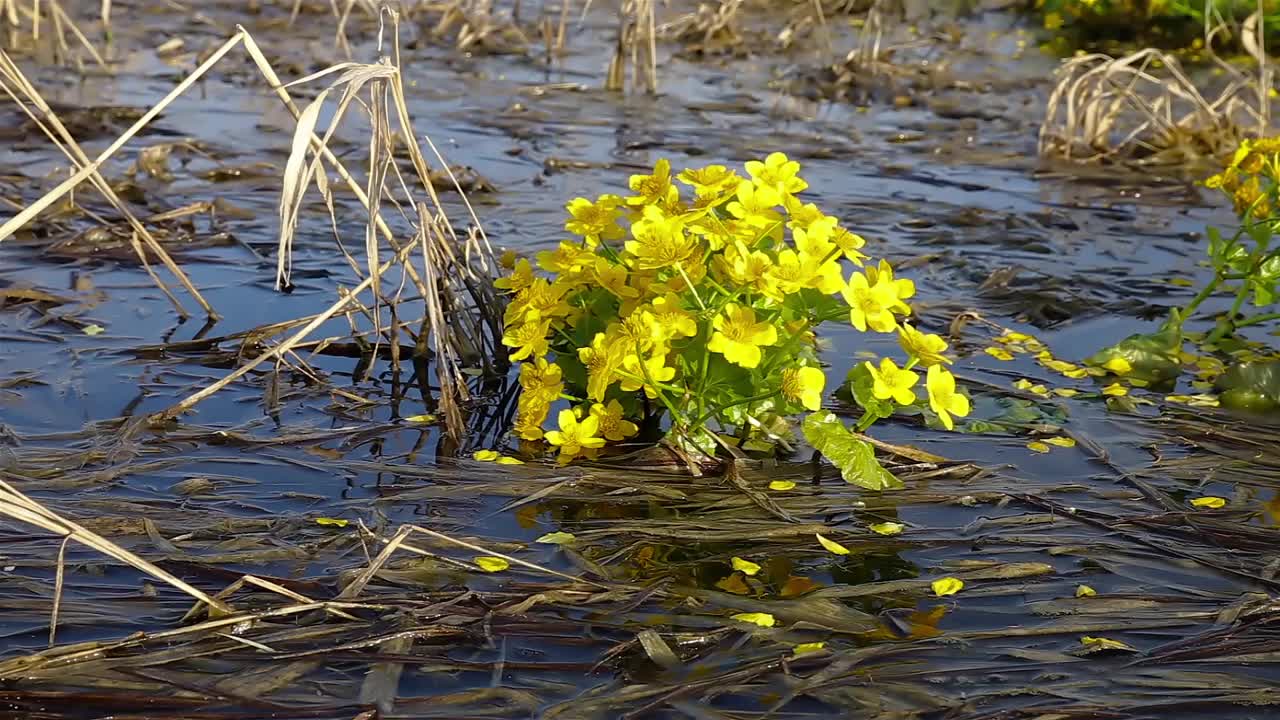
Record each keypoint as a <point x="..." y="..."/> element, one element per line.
<point x="595" y="221"/>
<point x="943" y="397"/>
<point x="850" y="243"/>
<point x="739" y="337"/>
<point x="926" y="349"/>
<point x="538" y="301"/>
<point x="891" y="381"/>
<point x="748" y="268"/>
<point x="710" y="183"/>
<point x="754" y="205"/>
<point x="568" y="258"/>
<point x="672" y="319"/>
<point x="638" y="332"/>
<point x="601" y="359"/>
<point x="883" y="275"/>
<point x="655" y="370"/>
<point x="613" y="426"/>
<point x="520" y="278"/>
<point x="655" y="188"/>
<point x="531" y="412"/>
<point x="805" y="215"/>
<point x="541" y="378"/>
<point x="778" y="172"/>
<point x="529" y="339"/>
<point x="871" y="304"/>
<point x="575" y="437"/>
<point x="614" y="279"/>
<point x="795" y="271"/>
<point x="804" y="385"/>
<point x="660" y="241"/>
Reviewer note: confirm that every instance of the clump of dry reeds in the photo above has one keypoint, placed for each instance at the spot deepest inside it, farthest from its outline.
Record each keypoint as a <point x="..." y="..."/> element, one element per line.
<point x="458" y="321"/>
<point x="1145" y="108"/>
<point x="637" y="46"/>
<point x="38" y="18"/>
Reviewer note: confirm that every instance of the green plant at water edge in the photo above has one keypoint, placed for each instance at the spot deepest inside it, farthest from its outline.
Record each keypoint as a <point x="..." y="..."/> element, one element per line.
<point x="693" y="304"/>
<point x="1181" y="20"/>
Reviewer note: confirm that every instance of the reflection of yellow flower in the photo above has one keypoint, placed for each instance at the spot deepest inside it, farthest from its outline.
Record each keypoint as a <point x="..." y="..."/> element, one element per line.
<point x="891" y="381"/>
<point x="613" y="426"/>
<point x="739" y="337"/>
<point x="575" y="437"/>
<point x="943" y="397"/>
<point x="804" y="385"/>
<point x="529" y="339"/>
<point x="926" y="349"/>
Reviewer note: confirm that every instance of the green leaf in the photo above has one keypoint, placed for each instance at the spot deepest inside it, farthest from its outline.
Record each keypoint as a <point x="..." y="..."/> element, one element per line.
<point x="855" y="457"/>
<point x="860" y="385"/>
<point x="1152" y="357"/>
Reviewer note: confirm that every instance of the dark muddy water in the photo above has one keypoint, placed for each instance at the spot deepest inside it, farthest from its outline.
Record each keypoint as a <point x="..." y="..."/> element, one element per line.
<point x="945" y="183"/>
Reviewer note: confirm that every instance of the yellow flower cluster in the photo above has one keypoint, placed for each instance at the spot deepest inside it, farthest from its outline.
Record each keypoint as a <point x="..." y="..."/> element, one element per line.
<point x="1251" y="178"/>
<point x="697" y="295"/>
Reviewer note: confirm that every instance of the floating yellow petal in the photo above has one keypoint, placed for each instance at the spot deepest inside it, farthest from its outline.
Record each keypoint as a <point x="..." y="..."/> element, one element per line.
<point x="1061" y="441"/>
<point x="947" y="586"/>
<point x="556" y="538"/>
<point x="1208" y="501"/>
<point x="1037" y="446"/>
<point x="998" y="353"/>
<point x="761" y="619"/>
<point x="92" y="330"/>
<point x="1101" y="643"/>
<point x="886" y="528"/>
<point x="782" y="485"/>
<point x="332" y="522"/>
<point x="485" y="455"/>
<point x="745" y="566"/>
<point x="427" y="418"/>
<point x="831" y="545"/>
<point x="508" y="460"/>
<point x="810" y="647"/>
<point x="491" y="564"/>
<point x="1118" y="365"/>
<point x="1085" y="591"/>
<point x="1115" y="390"/>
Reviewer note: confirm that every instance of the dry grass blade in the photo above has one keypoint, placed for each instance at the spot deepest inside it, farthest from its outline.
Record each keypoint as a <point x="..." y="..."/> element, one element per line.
<point x="1144" y="108"/>
<point x="15" y="505"/>
<point x="637" y="45"/>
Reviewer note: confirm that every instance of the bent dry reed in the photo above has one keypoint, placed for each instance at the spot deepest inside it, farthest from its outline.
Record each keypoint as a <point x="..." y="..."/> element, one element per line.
<point x="693" y="304"/>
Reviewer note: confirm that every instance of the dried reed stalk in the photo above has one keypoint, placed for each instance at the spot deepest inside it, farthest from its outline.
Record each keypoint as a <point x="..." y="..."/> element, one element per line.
<point x="637" y="45"/>
<point x="1144" y="108"/>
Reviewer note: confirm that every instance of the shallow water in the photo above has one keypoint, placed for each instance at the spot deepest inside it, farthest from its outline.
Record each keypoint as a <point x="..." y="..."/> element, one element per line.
<point x="1088" y="256"/>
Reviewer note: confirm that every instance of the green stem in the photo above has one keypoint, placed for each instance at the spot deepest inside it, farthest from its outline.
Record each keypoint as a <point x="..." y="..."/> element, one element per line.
<point x="1258" y="319"/>
<point x="720" y="408"/>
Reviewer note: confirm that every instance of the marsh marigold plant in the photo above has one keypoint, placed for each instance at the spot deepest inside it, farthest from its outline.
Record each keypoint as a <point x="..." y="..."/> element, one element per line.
<point x="697" y="296"/>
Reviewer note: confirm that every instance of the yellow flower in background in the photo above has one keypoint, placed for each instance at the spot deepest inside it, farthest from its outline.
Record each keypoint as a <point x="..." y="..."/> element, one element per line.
<point x="575" y="437"/>
<point x="613" y="425"/>
<point x="538" y="301"/>
<point x="943" y="397"/>
<point x="804" y="386"/>
<point x="739" y="337"/>
<point x="778" y="172"/>
<point x="541" y="379"/>
<point x="892" y="382"/>
<point x="595" y="221"/>
<point x="926" y="349"/>
<point x="520" y="278"/>
<point x="872" y="304"/>
<point x="528" y="339"/>
<point x="660" y="241"/>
